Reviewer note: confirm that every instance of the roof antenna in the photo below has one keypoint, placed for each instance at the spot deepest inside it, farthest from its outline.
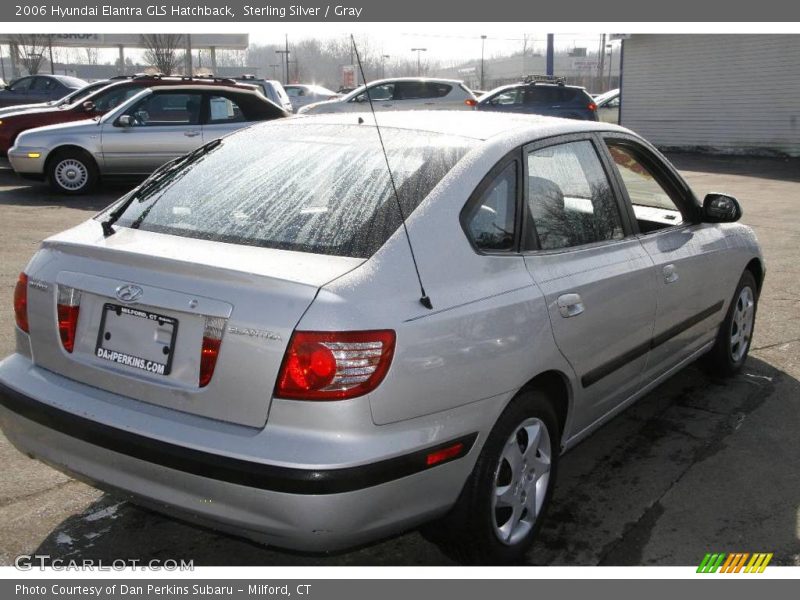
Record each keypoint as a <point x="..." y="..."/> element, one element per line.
<point x="424" y="299"/>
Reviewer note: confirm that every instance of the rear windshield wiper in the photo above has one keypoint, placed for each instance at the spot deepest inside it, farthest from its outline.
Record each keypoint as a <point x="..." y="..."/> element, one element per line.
<point x="158" y="180"/>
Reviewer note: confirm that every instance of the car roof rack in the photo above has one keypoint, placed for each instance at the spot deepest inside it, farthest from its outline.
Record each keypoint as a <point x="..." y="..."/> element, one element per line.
<point x="550" y="79"/>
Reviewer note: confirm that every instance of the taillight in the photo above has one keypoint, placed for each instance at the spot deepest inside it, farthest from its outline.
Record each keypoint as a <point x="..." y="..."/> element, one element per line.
<point x="21" y="302"/>
<point x="69" y="306"/>
<point x="592" y="106"/>
<point x="471" y="102"/>
<point x="212" y="340"/>
<point x="334" y="366"/>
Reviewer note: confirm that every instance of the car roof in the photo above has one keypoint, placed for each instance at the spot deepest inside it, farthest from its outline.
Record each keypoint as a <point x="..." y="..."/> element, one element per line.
<point x="472" y="124"/>
<point x="182" y="87"/>
<point x="534" y="84"/>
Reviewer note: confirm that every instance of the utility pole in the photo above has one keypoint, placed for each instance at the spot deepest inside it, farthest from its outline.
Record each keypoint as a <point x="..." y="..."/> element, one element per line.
<point x="419" y="67"/>
<point x="285" y="53"/>
<point x="610" y="62"/>
<point x="550" y="52"/>
<point x="50" y="47"/>
<point x="383" y="65"/>
<point x="601" y="62"/>
<point x="483" y="42"/>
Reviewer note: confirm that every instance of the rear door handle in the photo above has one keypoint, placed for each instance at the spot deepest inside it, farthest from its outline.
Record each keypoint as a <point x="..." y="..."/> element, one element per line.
<point x="191" y="133"/>
<point x="570" y="305"/>
<point x="670" y="274"/>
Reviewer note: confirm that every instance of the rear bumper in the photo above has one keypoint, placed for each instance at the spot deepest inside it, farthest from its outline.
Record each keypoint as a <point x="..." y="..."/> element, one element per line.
<point x="312" y="509"/>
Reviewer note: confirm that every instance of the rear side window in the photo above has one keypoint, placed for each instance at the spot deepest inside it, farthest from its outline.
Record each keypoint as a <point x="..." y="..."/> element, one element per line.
<point x="44" y="84"/>
<point x="416" y="90"/>
<point x="310" y="188"/>
<point x="550" y="95"/>
<point x="490" y="220"/>
<point x="569" y="197"/>
<point x="224" y="110"/>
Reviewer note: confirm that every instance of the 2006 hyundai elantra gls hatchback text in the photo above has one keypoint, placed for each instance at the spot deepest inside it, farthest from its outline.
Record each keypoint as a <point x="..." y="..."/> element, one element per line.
<point x="243" y="339"/>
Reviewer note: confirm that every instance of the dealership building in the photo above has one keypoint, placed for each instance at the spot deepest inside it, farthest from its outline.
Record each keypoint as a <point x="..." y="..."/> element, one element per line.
<point x="730" y="94"/>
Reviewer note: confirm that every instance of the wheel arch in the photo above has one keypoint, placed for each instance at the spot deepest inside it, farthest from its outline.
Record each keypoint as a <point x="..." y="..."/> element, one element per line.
<point x="556" y="385"/>
<point x="756" y="267"/>
<point x="68" y="147"/>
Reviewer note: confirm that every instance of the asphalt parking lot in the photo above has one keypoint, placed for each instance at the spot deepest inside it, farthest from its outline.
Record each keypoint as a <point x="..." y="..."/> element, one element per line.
<point x="698" y="465"/>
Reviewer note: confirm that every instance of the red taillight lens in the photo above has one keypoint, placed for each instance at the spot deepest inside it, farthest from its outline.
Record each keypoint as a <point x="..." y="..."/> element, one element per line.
<point x="470" y="102"/>
<point x="212" y="340"/>
<point x="592" y="106"/>
<point x="334" y="366"/>
<point x="69" y="306"/>
<point x="21" y="302"/>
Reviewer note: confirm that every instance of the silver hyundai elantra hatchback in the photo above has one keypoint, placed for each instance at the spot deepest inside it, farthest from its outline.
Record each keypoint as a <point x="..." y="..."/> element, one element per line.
<point x="314" y="335"/>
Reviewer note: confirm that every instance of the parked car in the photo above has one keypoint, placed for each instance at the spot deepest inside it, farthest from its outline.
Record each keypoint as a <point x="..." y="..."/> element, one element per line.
<point x="271" y="88"/>
<point x="70" y="98"/>
<point x="151" y="128"/>
<point x="408" y="93"/>
<point x="247" y="325"/>
<point x="91" y="106"/>
<point x="608" y="106"/>
<point x="302" y="94"/>
<point x="551" y="97"/>
<point x="39" y="88"/>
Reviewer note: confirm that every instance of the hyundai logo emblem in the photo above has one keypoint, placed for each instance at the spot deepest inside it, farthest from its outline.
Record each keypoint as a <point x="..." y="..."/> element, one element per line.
<point x="129" y="293"/>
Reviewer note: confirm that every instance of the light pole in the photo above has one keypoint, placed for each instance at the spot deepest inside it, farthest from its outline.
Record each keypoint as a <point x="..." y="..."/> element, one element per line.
<point x="383" y="66"/>
<point x="285" y="53"/>
<point x="483" y="42"/>
<point x="610" y="62"/>
<point x="418" y="50"/>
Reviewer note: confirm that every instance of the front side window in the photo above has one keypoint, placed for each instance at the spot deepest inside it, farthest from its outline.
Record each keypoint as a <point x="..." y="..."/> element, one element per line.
<point x="104" y="102"/>
<point x="570" y="199"/>
<point x="490" y="220"/>
<point x="652" y="205"/>
<point x="507" y="98"/>
<point x="377" y="93"/>
<point x="22" y="85"/>
<point x="160" y="109"/>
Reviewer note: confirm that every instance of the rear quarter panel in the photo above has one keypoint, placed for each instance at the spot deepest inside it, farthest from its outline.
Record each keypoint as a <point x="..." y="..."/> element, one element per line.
<point x="488" y="333"/>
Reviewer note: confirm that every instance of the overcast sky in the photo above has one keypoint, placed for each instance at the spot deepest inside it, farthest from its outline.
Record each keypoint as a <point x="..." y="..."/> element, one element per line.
<point x="446" y="41"/>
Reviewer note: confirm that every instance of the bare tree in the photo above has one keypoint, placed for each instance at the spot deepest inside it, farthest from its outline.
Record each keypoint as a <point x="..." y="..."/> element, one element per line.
<point x="91" y="55"/>
<point x="32" y="47"/>
<point x="161" y="51"/>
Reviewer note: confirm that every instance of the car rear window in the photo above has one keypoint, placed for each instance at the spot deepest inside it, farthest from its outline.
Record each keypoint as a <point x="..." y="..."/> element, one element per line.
<point x="312" y="188"/>
<point x="550" y="95"/>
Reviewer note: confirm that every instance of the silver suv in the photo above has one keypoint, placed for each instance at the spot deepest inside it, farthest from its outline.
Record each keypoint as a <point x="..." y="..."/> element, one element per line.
<point x="254" y="339"/>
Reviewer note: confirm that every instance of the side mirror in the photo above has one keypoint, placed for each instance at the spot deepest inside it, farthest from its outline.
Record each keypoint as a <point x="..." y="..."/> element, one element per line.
<point x="125" y="121"/>
<point x="88" y="106"/>
<point x="721" y="208"/>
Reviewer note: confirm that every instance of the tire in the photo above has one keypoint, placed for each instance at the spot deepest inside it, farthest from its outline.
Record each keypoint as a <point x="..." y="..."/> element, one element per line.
<point x="71" y="172"/>
<point x="499" y="512"/>
<point x="732" y="346"/>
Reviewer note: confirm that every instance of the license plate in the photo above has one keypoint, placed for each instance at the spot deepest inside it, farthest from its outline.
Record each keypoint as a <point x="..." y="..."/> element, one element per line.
<point x="137" y="338"/>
